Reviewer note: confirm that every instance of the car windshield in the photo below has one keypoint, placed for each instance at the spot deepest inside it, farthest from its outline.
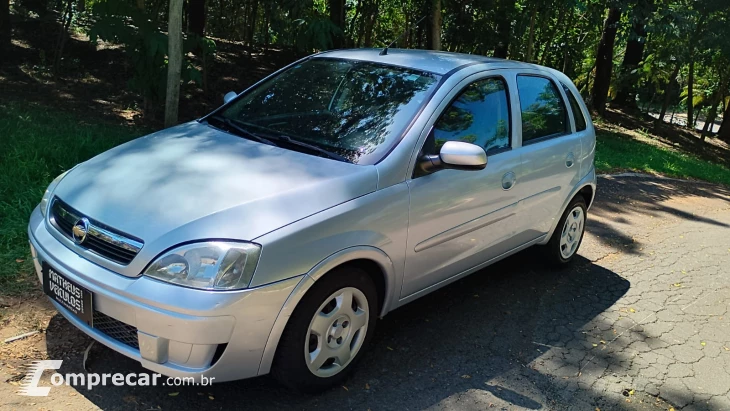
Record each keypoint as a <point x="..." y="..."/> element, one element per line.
<point x="353" y="109"/>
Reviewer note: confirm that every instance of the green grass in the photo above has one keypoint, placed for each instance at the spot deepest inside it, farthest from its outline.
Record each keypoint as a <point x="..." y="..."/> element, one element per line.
<point x="616" y="152"/>
<point x="37" y="144"/>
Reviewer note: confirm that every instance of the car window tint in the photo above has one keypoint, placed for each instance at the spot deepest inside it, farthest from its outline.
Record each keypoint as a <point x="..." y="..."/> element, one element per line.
<point x="480" y="115"/>
<point x="580" y="121"/>
<point x="543" y="111"/>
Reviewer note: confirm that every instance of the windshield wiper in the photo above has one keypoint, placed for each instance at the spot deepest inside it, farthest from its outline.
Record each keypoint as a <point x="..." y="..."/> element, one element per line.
<point x="242" y="131"/>
<point x="320" y="150"/>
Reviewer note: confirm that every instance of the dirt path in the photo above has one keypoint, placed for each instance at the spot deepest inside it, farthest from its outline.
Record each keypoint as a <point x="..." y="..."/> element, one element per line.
<point x="640" y="322"/>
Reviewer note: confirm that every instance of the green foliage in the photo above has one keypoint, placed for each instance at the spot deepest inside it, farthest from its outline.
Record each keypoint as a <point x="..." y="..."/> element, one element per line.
<point x="146" y="45"/>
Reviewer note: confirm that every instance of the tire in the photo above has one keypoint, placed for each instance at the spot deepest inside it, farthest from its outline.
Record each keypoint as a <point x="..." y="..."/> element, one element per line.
<point x="322" y="330"/>
<point x="566" y="239"/>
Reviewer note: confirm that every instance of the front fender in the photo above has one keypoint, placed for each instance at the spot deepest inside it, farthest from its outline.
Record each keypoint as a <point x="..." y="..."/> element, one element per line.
<point x="326" y="265"/>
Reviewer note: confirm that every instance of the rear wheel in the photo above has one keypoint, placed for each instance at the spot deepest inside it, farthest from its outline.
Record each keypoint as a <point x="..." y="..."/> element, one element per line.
<point x="568" y="234"/>
<point x="328" y="331"/>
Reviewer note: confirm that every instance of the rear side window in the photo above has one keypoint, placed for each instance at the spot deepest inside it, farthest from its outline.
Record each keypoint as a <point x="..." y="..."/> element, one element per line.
<point x="480" y="115"/>
<point x="580" y="121"/>
<point x="543" y="110"/>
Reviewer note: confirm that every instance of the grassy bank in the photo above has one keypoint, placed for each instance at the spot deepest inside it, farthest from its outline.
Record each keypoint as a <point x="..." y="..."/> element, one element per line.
<point x="616" y="152"/>
<point x="37" y="144"/>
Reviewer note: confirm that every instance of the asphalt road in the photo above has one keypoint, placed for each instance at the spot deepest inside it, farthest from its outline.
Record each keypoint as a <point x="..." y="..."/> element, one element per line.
<point x="639" y="322"/>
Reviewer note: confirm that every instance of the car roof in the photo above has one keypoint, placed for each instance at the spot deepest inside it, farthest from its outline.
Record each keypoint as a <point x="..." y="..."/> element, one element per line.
<point x="438" y="62"/>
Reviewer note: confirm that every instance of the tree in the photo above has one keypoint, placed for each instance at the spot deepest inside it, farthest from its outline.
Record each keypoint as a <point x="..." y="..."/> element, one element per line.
<point x="433" y="32"/>
<point x="196" y="17"/>
<point x="604" y="60"/>
<point x="626" y="95"/>
<point x="4" y="24"/>
<point x="337" y="17"/>
<point x="174" y="65"/>
<point x="503" y="14"/>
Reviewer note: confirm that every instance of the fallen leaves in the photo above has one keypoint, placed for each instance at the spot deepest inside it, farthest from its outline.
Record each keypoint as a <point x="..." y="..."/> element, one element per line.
<point x="466" y="376"/>
<point x="173" y="394"/>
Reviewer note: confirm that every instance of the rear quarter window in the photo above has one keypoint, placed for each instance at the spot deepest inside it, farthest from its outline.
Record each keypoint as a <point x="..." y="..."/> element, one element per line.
<point x="580" y="120"/>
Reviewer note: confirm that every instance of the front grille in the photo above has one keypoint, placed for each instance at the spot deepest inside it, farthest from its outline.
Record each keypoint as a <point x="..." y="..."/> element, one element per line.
<point x="120" y="331"/>
<point x="100" y="239"/>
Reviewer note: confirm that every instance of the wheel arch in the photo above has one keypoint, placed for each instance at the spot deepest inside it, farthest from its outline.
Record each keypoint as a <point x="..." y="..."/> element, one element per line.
<point x="371" y="259"/>
<point x="585" y="188"/>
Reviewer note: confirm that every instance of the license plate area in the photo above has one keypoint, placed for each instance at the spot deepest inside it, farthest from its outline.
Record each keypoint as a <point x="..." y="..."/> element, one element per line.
<point x="73" y="297"/>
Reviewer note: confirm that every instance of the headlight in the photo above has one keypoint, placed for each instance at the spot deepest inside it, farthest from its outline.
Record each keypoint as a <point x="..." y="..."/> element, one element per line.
<point x="47" y="195"/>
<point x="211" y="265"/>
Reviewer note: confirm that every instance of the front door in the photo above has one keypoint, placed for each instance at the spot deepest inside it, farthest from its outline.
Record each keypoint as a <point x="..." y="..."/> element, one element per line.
<point x="460" y="219"/>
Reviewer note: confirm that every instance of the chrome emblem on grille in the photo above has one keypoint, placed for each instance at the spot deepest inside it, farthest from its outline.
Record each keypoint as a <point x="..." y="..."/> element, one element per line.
<point x="79" y="230"/>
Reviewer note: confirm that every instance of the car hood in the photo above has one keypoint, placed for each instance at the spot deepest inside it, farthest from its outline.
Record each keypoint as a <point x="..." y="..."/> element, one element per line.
<point x="195" y="182"/>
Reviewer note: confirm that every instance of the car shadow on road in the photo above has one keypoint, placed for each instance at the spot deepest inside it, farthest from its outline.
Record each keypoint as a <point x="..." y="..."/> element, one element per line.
<point x="624" y="201"/>
<point x="477" y="338"/>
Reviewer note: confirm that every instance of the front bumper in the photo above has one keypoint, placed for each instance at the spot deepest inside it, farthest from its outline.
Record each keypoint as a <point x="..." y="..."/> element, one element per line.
<point x="181" y="332"/>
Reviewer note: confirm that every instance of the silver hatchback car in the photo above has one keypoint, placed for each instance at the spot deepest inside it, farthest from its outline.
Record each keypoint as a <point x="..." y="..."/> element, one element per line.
<point x="269" y="235"/>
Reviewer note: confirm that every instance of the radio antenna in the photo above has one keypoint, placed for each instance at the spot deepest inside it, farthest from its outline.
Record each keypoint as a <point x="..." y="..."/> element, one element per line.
<point x="385" y="50"/>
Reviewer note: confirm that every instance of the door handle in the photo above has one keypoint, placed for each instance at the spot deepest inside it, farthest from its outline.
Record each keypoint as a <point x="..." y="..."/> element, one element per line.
<point x="508" y="180"/>
<point x="570" y="160"/>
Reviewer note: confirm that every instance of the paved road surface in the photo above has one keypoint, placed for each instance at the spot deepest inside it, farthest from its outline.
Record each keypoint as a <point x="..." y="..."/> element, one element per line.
<point x="640" y="322"/>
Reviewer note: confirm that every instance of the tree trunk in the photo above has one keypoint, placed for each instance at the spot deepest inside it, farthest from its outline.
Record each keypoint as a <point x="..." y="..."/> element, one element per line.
<point x="174" y="65"/>
<point x="724" y="132"/>
<point x="604" y="61"/>
<point x="140" y="4"/>
<point x="503" y="14"/>
<point x="66" y="19"/>
<point x="667" y="95"/>
<point x="551" y="37"/>
<point x="531" y="36"/>
<point x="370" y="18"/>
<point x="337" y="16"/>
<point x="433" y="32"/>
<point x="691" y="76"/>
<point x="4" y="24"/>
<point x="196" y="17"/>
<point x="626" y="96"/>
<point x="252" y="18"/>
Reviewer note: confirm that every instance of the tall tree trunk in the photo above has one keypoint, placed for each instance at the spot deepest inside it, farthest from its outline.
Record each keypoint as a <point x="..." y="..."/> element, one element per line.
<point x="337" y="17"/>
<point x="503" y="14"/>
<point x="531" y="35"/>
<point x="604" y="60"/>
<point x="66" y="19"/>
<point x="551" y="37"/>
<point x="196" y="17"/>
<point x="691" y="75"/>
<point x="252" y="18"/>
<point x="667" y="95"/>
<point x="433" y="29"/>
<point x="174" y="65"/>
<point x="724" y="132"/>
<point x="370" y="20"/>
<point x="626" y="95"/>
<point x="4" y="24"/>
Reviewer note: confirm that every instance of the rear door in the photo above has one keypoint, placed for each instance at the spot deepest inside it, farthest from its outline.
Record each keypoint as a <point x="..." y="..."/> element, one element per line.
<point x="550" y="152"/>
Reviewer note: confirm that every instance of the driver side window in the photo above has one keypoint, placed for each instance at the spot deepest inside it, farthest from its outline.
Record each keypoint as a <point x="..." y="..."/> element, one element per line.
<point x="479" y="115"/>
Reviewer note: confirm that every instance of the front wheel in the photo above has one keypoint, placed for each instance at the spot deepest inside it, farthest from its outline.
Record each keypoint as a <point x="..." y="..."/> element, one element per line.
<point x="568" y="234"/>
<point x="328" y="331"/>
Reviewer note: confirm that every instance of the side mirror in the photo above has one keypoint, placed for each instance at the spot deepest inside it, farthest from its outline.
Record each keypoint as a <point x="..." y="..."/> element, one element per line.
<point x="456" y="155"/>
<point x="229" y="96"/>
